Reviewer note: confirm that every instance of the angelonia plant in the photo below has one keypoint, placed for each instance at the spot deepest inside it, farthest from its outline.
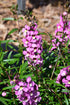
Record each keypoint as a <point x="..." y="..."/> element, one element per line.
<point x="26" y="92"/>
<point x="62" y="33"/>
<point x="33" y="44"/>
<point x="61" y="43"/>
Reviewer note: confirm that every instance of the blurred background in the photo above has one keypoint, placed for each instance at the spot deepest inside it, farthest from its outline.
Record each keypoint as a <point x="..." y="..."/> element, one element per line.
<point x="45" y="12"/>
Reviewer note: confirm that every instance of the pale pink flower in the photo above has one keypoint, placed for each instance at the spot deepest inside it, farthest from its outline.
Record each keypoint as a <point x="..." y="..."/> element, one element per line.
<point x="4" y="94"/>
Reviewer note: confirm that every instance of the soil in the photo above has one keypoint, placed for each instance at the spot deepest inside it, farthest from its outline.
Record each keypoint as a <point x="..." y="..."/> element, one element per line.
<point x="47" y="15"/>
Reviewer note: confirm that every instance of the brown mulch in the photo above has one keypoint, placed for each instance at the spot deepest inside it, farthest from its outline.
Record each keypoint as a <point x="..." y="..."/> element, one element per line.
<point x="47" y="17"/>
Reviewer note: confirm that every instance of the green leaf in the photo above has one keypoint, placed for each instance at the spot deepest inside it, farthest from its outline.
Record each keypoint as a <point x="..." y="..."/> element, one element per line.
<point x="23" y="67"/>
<point x="50" y="36"/>
<point x="21" y="18"/>
<point x="66" y="101"/>
<point x="9" y="87"/>
<point x="2" y="100"/>
<point x="8" y="18"/>
<point x="22" y="70"/>
<point x="18" y="55"/>
<point x="42" y="33"/>
<point x="27" y="75"/>
<point x="9" y="55"/>
<point x="1" y="71"/>
<point x="65" y="90"/>
<point x="11" y="61"/>
<point x="4" y="82"/>
<point x="50" y="82"/>
<point x="13" y="30"/>
<point x="7" y="41"/>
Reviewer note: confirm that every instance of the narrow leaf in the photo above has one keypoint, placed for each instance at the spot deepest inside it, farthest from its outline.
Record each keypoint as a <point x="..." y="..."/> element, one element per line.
<point x="8" y="18"/>
<point x="13" y="30"/>
<point x="9" y="87"/>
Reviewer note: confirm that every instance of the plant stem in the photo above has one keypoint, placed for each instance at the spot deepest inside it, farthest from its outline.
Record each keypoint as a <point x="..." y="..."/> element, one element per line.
<point x="54" y="67"/>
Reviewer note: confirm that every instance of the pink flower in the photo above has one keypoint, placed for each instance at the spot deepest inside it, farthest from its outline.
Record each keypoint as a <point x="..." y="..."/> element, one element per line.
<point x="25" y="41"/>
<point x="64" y="13"/>
<point x="24" y="52"/>
<point x="16" y="87"/>
<point x="28" y="79"/>
<point x="19" y="92"/>
<point x="21" y="83"/>
<point x="27" y="27"/>
<point x="63" y="72"/>
<point x="50" y="66"/>
<point x="68" y="77"/>
<point x="53" y="48"/>
<point x="65" y="81"/>
<point x="4" y="94"/>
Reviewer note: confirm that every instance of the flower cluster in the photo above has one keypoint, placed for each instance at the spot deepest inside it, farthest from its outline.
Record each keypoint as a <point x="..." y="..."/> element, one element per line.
<point x="33" y="44"/>
<point x="62" y="33"/>
<point x="27" y="92"/>
<point x="64" y="77"/>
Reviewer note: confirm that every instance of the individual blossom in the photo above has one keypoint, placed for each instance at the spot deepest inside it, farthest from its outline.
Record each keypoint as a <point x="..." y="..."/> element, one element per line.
<point x="64" y="77"/>
<point x="33" y="44"/>
<point x="15" y="80"/>
<point x="64" y="13"/>
<point x="4" y="93"/>
<point x="25" y="30"/>
<point x="50" y="66"/>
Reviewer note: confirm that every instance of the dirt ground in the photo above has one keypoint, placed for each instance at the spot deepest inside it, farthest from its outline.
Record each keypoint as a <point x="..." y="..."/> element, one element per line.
<point x="46" y="14"/>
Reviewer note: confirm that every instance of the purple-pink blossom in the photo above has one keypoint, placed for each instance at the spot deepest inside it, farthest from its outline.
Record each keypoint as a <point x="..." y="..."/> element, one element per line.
<point x="33" y="44"/>
<point x="4" y="93"/>
<point x="27" y="92"/>
<point x="62" y="33"/>
<point x="64" y="77"/>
